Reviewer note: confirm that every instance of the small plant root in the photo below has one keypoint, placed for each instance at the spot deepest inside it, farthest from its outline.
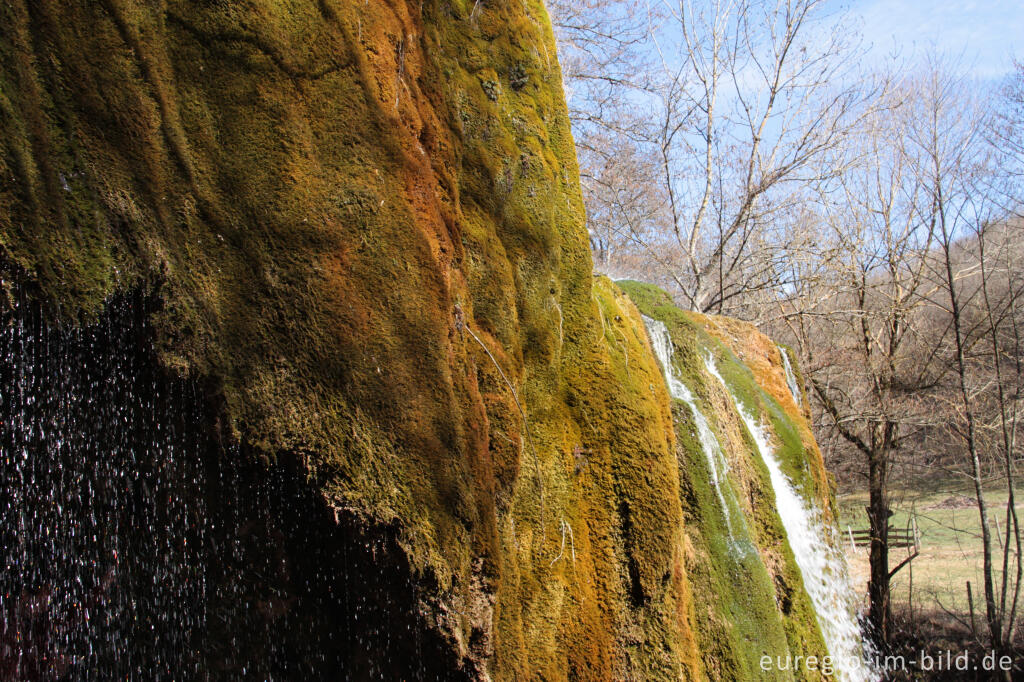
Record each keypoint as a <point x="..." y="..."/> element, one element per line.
<point x="460" y="324"/>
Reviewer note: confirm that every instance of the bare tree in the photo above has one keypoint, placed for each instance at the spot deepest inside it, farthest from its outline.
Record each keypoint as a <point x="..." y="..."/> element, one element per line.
<point x="749" y="97"/>
<point x="605" y="51"/>
<point x="624" y="212"/>
<point x="1002" y="288"/>
<point x="1006" y="133"/>
<point x="980" y="297"/>
<point x="720" y="110"/>
<point x="854" y="315"/>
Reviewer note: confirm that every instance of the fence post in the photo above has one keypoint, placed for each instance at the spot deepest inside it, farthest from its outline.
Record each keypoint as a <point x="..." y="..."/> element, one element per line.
<point x="970" y="605"/>
<point x="910" y="568"/>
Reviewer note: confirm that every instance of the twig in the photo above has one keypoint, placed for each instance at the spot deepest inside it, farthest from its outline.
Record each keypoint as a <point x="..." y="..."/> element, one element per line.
<point x="951" y="614"/>
<point x="572" y="543"/>
<point x="970" y="606"/>
<point x="460" y="323"/>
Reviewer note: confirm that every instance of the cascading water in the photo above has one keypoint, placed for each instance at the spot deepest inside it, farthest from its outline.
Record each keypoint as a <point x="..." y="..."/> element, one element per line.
<point x="791" y="382"/>
<point x="821" y="565"/>
<point x="717" y="464"/>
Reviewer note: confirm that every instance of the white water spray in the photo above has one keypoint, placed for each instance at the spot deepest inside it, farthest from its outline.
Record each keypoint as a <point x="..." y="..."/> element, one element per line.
<point x="794" y="387"/>
<point x="717" y="464"/>
<point x="822" y="566"/>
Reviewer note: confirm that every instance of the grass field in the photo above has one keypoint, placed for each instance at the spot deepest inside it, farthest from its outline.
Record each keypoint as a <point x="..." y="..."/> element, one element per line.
<point x="951" y="555"/>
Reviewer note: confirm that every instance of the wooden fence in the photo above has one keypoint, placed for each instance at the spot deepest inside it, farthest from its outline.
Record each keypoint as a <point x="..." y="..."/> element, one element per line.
<point x="908" y="538"/>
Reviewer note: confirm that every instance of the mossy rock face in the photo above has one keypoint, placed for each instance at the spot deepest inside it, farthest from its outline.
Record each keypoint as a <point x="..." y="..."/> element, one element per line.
<point x="761" y="607"/>
<point x="363" y="225"/>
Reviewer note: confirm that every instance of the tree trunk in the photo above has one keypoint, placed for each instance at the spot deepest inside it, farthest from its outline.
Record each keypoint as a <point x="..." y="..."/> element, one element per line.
<point x="878" y="519"/>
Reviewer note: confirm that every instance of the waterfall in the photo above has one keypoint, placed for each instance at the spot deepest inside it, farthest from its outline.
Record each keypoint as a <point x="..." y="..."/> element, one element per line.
<point x="794" y="387"/>
<point x="712" y="450"/>
<point x="822" y="566"/>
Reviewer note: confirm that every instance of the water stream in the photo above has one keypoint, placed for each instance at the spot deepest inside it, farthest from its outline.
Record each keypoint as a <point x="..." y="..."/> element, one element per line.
<point x="791" y="382"/>
<point x="718" y="466"/>
<point x="822" y="566"/>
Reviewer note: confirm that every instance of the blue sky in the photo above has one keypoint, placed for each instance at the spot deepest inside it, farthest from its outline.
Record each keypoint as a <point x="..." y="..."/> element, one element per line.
<point x="986" y="35"/>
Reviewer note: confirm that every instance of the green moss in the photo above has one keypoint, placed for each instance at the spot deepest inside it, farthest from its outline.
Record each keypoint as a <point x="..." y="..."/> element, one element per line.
<point x="741" y="623"/>
<point x="613" y="486"/>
